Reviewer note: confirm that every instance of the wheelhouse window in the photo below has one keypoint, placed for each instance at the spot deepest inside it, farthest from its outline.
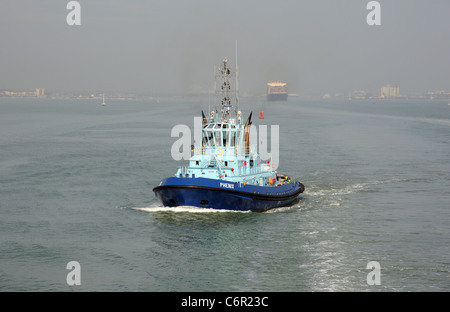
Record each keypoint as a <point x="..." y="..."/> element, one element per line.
<point x="207" y="138"/>
<point x="219" y="135"/>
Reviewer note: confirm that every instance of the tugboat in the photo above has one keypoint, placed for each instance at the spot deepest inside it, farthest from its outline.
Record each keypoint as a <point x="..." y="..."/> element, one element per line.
<point x="224" y="171"/>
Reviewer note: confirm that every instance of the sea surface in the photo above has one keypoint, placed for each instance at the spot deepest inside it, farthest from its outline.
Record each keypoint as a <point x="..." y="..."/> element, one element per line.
<point x="76" y="183"/>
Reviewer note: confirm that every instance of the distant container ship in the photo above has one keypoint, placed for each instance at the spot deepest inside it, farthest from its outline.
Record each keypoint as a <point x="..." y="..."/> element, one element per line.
<point x="277" y="91"/>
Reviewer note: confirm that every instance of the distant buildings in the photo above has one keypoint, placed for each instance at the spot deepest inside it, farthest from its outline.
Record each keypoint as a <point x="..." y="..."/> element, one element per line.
<point x="39" y="92"/>
<point x="438" y="95"/>
<point x="389" y="92"/>
<point x="359" y="95"/>
<point x="386" y="92"/>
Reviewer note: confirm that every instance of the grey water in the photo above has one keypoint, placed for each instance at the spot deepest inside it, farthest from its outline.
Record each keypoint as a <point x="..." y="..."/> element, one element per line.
<point x="76" y="183"/>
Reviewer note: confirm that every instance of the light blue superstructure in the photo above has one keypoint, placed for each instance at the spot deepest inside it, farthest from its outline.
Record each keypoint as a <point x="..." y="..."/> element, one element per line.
<point x="225" y="155"/>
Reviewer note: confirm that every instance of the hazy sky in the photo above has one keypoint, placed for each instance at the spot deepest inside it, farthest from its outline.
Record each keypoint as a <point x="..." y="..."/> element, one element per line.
<point x="157" y="47"/>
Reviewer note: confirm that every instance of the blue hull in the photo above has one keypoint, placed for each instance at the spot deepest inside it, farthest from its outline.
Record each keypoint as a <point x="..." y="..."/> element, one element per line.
<point x="219" y="194"/>
<point x="277" y="97"/>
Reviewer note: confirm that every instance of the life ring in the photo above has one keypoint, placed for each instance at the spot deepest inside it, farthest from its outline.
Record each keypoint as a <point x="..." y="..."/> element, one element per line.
<point x="219" y="152"/>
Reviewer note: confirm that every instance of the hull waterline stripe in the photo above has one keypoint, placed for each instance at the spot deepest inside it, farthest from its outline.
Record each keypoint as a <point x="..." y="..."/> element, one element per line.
<point x="252" y="195"/>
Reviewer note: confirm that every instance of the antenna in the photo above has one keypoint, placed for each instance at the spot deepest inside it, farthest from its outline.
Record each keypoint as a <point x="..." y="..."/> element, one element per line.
<point x="215" y="87"/>
<point x="237" y="79"/>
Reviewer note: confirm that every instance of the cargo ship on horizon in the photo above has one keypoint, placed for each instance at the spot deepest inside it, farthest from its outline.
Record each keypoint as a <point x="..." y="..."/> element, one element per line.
<point x="277" y="91"/>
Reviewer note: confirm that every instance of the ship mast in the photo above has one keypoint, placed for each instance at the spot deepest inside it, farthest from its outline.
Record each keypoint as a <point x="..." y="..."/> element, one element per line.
<point x="237" y="81"/>
<point x="225" y="89"/>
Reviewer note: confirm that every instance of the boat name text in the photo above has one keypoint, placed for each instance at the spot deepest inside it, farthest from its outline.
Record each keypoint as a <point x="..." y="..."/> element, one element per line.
<point x="227" y="185"/>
